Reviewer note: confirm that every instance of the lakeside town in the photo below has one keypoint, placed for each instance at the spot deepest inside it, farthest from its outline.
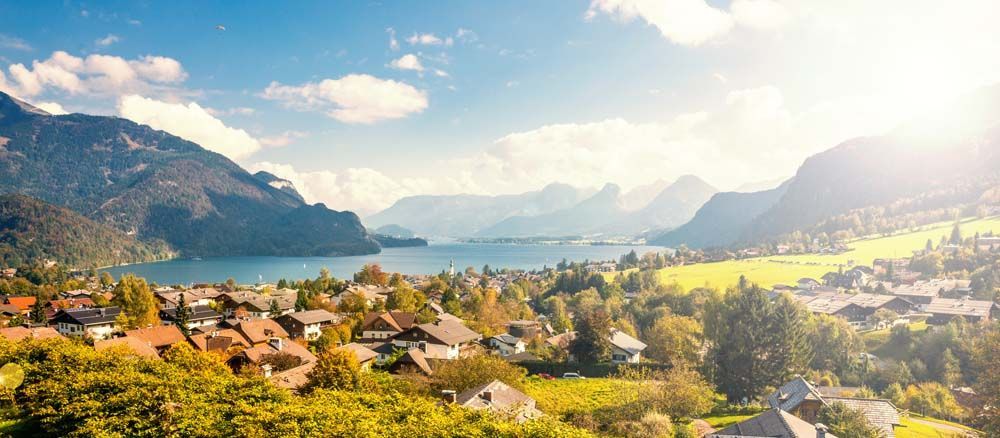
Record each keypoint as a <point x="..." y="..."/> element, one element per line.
<point x="573" y="322"/>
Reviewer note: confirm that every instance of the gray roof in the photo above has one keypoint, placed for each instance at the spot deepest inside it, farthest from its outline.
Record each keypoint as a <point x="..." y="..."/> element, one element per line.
<point x="622" y="340"/>
<point x="880" y="413"/>
<point x="960" y="307"/>
<point x="791" y="394"/>
<point x="774" y="423"/>
<point x="498" y="397"/>
<point x="362" y="353"/>
<point x="85" y="317"/>
<point x="317" y="316"/>
<point x="507" y="339"/>
<point x="449" y="332"/>
<point x="198" y="313"/>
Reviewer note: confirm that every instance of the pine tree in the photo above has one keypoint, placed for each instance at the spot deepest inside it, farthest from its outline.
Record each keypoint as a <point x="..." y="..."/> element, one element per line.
<point x="183" y="315"/>
<point x="301" y="301"/>
<point x="38" y="311"/>
<point x="956" y="235"/>
<point x="275" y="310"/>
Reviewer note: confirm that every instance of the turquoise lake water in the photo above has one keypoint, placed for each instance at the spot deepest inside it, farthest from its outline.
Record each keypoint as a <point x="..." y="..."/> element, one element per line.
<point x="430" y="259"/>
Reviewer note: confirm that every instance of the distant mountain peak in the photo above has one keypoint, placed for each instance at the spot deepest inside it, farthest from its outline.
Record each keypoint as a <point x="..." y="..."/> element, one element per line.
<point x="12" y="108"/>
<point x="281" y="184"/>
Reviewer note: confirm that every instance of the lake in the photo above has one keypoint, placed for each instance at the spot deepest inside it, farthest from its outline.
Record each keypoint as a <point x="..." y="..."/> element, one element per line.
<point x="431" y="259"/>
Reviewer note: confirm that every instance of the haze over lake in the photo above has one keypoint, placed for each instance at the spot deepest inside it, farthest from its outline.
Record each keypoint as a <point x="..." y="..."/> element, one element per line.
<point x="430" y="259"/>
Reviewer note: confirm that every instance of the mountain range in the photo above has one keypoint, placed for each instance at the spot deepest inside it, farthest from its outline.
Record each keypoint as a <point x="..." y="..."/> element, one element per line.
<point x="159" y="187"/>
<point x="946" y="159"/>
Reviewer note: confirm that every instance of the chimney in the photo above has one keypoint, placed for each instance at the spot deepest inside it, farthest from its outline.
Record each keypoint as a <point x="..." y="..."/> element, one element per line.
<point x="276" y="343"/>
<point x="266" y="369"/>
<point x="488" y="396"/>
<point x="213" y="334"/>
<point x="820" y="430"/>
<point x="449" y="396"/>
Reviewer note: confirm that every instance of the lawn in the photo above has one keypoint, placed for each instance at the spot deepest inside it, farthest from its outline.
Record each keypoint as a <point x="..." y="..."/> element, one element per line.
<point x="768" y="271"/>
<point x="912" y="429"/>
<point x="563" y="396"/>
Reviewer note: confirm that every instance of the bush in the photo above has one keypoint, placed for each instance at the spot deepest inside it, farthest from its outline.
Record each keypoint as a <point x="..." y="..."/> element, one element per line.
<point x="469" y="372"/>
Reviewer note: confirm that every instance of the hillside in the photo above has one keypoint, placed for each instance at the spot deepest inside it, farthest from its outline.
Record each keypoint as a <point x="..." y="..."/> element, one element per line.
<point x="959" y="146"/>
<point x="281" y="184"/>
<point x="719" y="222"/>
<point x="160" y="187"/>
<point x="33" y="230"/>
<point x="676" y="204"/>
<point x="586" y="217"/>
<point x="465" y="215"/>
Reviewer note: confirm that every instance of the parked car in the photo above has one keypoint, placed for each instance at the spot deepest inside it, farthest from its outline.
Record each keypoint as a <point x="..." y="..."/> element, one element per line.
<point x="546" y="376"/>
<point x="572" y="376"/>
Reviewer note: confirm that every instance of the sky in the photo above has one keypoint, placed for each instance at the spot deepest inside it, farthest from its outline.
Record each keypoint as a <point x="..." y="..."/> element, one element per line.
<point x="362" y="103"/>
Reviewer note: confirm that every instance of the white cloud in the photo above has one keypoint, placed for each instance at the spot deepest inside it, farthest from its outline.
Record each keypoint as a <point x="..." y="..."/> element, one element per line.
<point x="355" y="98"/>
<point x="361" y="190"/>
<point x="720" y="77"/>
<point x="95" y="74"/>
<point x="234" y="111"/>
<point x="108" y="40"/>
<point x="393" y="43"/>
<point x="466" y="35"/>
<point x="408" y="61"/>
<point x="281" y="140"/>
<point x="15" y="43"/>
<point x="429" y="39"/>
<point x="440" y="73"/>
<point x="750" y="131"/>
<point x="191" y="122"/>
<point x="693" y="22"/>
<point x="53" y="108"/>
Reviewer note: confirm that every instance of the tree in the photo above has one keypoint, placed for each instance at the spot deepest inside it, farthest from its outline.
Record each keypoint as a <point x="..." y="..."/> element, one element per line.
<point x="468" y="372"/>
<point x="680" y="392"/>
<point x="274" y="310"/>
<point x="182" y="317"/>
<point x="592" y="343"/>
<point x="956" y="234"/>
<point x="835" y="343"/>
<point x="845" y="422"/>
<point x="932" y="399"/>
<point x="138" y="305"/>
<point x="756" y="343"/>
<point x="38" y="311"/>
<point x="99" y="300"/>
<point x="988" y="382"/>
<point x="106" y="280"/>
<point x="335" y="369"/>
<point x="372" y="273"/>
<point x="674" y="340"/>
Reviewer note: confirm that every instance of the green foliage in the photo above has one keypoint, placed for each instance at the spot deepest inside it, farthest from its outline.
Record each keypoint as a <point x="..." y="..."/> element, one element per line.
<point x="71" y="390"/>
<point x="674" y="340"/>
<point x="137" y="302"/>
<point x="845" y="422"/>
<point x="372" y="273"/>
<point x="183" y="315"/>
<point x="592" y="343"/>
<point x="835" y="344"/>
<point x="468" y="372"/>
<point x="335" y="369"/>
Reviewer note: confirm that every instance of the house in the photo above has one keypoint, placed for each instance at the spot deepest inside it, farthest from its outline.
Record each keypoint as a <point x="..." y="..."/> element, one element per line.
<point x="774" y="423"/>
<point x="854" y="278"/>
<point x="806" y="283"/>
<point x="366" y="356"/>
<point x="160" y="337"/>
<point x="308" y="324"/>
<point x="498" y="398"/>
<point x="522" y="357"/>
<point x="802" y="399"/>
<point x="855" y="308"/>
<point x="921" y="293"/>
<point x="138" y="346"/>
<point x="192" y="297"/>
<point x="413" y="361"/>
<point x="96" y="323"/>
<point x="943" y="310"/>
<point x="259" y="331"/>
<point x="54" y="306"/>
<point x="524" y="329"/>
<point x="23" y="304"/>
<point x="199" y="316"/>
<point x="507" y="344"/>
<point x="291" y="379"/>
<point x="440" y="340"/>
<point x="18" y="333"/>
<point x="218" y="340"/>
<point x="624" y="348"/>
<point x="987" y="243"/>
<point x="257" y="354"/>
<point x="8" y="272"/>
<point x="385" y="325"/>
<point x="254" y="305"/>
<point x="369" y="293"/>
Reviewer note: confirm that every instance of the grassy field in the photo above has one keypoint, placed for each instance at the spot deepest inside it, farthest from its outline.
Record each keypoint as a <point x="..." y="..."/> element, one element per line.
<point x="768" y="271"/>
<point x="913" y="429"/>
<point x="563" y="396"/>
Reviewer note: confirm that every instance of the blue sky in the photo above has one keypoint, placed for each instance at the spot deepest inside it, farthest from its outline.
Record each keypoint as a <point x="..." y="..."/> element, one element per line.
<point x="508" y="96"/>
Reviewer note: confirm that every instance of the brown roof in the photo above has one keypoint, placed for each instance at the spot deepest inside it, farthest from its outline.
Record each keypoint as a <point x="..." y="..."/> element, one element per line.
<point x="293" y="378"/>
<point x="23" y="303"/>
<point x="260" y="330"/>
<point x="70" y="303"/>
<point x="497" y="396"/>
<point x="449" y="332"/>
<point x="364" y="354"/>
<point x="220" y="341"/>
<point x="317" y="316"/>
<point x="398" y="320"/>
<point x="157" y="336"/>
<point x="256" y="353"/>
<point x="413" y="357"/>
<point x="137" y="345"/>
<point x="18" y="333"/>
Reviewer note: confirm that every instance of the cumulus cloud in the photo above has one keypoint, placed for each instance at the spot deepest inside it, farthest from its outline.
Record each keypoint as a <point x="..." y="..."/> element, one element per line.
<point x="281" y="140"/>
<point x="361" y="190"/>
<point x="728" y="144"/>
<point x="95" y="74"/>
<point x="692" y="22"/>
<point x="108" y="40"/>
<point x="53" y="108"/>
<point x="408" y="61"/>
<point x="191" y="122"/>
<point x="355" y="98"/>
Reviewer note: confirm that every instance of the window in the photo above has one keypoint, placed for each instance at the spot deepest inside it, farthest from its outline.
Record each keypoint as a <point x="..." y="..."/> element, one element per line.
<point x="619" y="358"/>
